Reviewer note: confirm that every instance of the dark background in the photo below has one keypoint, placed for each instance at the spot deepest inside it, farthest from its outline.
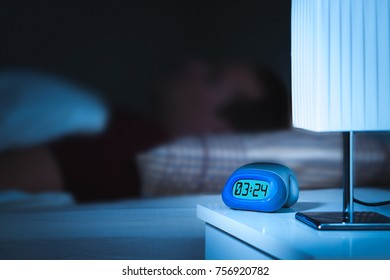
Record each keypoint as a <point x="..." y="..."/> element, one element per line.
<point x="118" y="49"/>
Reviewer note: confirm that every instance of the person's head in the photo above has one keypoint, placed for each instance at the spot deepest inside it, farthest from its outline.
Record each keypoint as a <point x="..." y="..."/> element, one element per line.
<point x="202" y="98"/>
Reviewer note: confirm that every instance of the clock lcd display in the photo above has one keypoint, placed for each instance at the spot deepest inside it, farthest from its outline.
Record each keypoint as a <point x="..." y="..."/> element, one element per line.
<point x="251" y="189"/>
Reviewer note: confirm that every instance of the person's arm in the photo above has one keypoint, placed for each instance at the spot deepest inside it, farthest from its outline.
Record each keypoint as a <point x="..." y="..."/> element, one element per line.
<point x="30" y="169"/>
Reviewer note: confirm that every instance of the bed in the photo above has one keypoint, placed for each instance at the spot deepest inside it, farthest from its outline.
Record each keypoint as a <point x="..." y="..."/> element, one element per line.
<point x="52" y="226"/>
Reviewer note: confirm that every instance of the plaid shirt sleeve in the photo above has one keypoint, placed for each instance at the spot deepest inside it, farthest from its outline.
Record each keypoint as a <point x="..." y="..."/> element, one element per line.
<point x="203" y="164"/>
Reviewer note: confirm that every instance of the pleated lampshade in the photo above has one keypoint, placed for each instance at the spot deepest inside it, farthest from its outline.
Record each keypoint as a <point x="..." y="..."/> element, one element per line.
<point x="341" y="65"/>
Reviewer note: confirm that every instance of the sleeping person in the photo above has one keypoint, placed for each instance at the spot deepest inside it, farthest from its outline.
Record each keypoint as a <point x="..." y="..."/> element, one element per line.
<point x="213" y="117"/>
<point x="196" y="98"/>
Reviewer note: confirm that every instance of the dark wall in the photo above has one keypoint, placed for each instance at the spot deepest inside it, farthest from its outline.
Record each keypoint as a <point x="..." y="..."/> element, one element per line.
<point x="117" y="49"/>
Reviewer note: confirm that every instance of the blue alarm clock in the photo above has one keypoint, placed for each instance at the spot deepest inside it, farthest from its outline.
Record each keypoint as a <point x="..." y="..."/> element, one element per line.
<point x="264" y="187"/>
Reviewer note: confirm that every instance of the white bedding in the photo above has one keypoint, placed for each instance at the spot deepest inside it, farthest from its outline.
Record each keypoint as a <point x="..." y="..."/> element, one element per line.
<point x="164" y="228"/>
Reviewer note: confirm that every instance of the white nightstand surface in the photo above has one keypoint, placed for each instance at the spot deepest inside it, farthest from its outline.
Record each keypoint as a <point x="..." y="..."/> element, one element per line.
<point x="280" y="236"/>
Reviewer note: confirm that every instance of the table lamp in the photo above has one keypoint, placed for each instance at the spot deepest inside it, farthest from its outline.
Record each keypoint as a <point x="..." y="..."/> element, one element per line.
<point x="340" y="51"/>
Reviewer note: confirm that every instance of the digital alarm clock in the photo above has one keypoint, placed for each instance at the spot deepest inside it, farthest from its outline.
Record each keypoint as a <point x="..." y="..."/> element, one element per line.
<point x="264" y="187"/>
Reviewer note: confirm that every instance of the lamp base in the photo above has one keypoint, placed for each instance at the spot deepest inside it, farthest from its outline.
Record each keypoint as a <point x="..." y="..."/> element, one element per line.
<point x="336" y="221"/>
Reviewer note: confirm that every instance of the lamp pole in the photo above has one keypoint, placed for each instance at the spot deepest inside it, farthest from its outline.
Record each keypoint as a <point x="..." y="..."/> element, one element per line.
<point x="348" y="139"/>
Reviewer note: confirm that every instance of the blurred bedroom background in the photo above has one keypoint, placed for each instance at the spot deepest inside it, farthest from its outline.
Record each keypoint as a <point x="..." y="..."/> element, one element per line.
<point x="144" y="98"/>
<point x="119" y="49"/>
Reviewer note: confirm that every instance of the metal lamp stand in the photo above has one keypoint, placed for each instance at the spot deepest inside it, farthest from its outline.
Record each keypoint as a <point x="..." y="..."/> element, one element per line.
<point x="347" y="219"/>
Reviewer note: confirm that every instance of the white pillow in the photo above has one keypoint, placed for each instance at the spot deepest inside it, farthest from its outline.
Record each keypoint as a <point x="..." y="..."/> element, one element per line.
<point x="35" y="109"/>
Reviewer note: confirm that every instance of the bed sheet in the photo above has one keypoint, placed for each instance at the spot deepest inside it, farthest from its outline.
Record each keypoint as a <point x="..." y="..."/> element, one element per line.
<point x="156" y="228"/>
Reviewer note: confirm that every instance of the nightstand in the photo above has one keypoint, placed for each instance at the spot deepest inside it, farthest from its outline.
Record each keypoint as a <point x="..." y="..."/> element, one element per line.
<point x="236" y="234"/>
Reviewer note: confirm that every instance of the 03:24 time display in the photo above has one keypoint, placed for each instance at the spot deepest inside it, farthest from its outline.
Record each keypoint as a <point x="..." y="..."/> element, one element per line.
<point x="243" y="191"/>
